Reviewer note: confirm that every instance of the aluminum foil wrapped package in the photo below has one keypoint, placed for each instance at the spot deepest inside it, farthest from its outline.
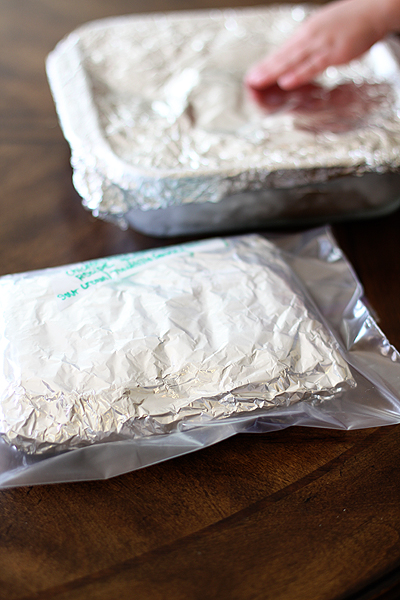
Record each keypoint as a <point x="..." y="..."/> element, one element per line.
<point x="165" y="137"/>
<point x="116" y="363"/>
<point x="131" y="345"/>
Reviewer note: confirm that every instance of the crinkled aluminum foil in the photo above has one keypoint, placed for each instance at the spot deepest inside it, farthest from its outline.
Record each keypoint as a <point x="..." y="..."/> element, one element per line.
<point x="142" y="344"/>
<point x="156" y="113"/>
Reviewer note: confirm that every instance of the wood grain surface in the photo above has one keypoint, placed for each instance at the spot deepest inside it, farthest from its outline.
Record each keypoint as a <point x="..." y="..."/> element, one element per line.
<point x="302" y="514"/>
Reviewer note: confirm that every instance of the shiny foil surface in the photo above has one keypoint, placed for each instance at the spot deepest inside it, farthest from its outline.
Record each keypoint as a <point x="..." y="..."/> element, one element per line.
<point x="149" y="343"/>
<point x="156" y="113"/>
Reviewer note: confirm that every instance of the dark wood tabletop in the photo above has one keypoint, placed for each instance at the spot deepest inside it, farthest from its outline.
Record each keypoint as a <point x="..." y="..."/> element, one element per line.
<point x="301" y="514"/>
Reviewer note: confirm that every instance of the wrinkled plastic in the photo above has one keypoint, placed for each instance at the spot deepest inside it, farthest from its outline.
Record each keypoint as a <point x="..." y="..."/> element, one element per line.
<point x="329" y="282"/>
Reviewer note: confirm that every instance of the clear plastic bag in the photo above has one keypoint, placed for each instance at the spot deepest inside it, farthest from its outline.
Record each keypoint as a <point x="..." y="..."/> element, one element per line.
<point x="319" y="268"/>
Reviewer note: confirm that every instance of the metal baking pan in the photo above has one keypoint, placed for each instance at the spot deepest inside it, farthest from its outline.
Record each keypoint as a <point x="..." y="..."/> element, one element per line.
<point x="165" y="138"/>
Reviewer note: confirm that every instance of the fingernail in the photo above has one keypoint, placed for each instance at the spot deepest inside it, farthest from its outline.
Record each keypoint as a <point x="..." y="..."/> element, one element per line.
<point x="254" y="77"/>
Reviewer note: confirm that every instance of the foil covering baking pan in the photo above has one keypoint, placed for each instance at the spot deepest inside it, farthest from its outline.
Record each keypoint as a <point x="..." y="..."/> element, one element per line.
<point x="165" y="137"/>
<point x="147" y="343"/>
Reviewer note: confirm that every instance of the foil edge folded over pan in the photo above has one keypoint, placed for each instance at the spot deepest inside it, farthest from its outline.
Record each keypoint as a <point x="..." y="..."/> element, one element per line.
<point x="237" y="149"/>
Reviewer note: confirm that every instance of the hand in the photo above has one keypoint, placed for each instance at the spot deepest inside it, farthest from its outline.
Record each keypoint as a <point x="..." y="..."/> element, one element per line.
<point x="333" y="35"/>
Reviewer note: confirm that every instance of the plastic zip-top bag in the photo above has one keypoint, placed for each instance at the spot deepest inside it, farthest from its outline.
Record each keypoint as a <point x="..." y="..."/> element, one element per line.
<point x="118" y="363"/>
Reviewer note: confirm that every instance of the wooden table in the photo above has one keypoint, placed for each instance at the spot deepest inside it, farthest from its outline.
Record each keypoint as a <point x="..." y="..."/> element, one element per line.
<point x="302" y="514"/>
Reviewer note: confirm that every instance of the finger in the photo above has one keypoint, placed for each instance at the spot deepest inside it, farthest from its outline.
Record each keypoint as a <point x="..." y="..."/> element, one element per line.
<point x="262" y="76"/>
<point x="304" y="72"/>
<point x="269" y="70"/>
